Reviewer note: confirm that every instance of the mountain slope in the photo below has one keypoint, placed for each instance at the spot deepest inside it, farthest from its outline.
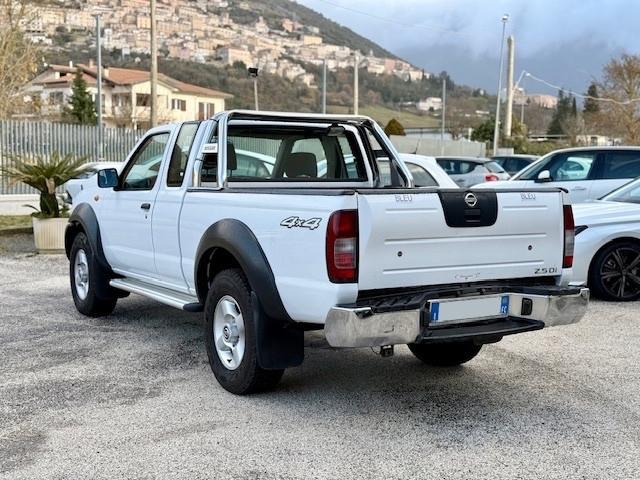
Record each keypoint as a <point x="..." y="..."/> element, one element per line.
<point x="274" y="11"/>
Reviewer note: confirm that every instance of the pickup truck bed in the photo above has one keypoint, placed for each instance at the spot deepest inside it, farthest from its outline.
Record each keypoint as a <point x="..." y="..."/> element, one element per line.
<point x="273" y="224"/>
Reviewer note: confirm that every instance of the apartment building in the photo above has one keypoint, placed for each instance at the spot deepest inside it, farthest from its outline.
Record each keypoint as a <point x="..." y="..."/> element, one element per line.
<point x="125" y="95"/>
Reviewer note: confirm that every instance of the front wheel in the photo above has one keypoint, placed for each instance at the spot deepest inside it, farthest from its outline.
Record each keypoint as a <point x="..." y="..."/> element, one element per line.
<point x="85" y="274"/>
<point x="445" y="354"/>
<point x="230" y="336"/>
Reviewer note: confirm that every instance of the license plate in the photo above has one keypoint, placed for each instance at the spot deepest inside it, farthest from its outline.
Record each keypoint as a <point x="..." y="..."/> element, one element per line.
<point x="464" y="310"/>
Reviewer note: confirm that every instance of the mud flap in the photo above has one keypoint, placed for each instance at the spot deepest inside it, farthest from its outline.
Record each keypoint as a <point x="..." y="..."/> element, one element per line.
<point x="278" y="345"/>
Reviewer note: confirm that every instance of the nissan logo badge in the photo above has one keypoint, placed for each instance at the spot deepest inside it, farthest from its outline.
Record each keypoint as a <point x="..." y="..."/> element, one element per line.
<point x="471" y="200"/>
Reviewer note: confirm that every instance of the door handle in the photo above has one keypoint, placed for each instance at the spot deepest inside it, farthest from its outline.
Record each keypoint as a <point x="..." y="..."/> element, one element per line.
<point x="145" y="206"/>
<point x="579" y="189"/>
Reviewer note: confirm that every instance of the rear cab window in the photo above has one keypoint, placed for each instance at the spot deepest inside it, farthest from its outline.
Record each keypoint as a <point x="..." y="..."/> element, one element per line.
<point x="294" y="153"/>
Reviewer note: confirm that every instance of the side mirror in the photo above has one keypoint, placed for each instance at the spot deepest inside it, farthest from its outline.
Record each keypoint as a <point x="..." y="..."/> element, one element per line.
<point x="544" y="176"/>
<point x="108" y="178"/>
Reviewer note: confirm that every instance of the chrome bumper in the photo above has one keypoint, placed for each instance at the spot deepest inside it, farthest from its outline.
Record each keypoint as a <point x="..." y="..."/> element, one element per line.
<point x="363" y="327"/>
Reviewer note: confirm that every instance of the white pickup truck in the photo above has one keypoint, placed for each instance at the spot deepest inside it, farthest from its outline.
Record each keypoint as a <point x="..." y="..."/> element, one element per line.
<point x="274" y="224"/>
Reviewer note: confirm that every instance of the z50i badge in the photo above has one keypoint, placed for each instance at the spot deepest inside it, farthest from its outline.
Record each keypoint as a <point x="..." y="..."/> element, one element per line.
<point x="298" y="222"/>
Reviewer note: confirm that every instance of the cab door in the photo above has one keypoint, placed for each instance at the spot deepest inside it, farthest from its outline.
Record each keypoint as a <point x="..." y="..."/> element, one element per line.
<point x="574" y="171"/>
<point x="168" y="208"/>
<point x="125" y="212"/>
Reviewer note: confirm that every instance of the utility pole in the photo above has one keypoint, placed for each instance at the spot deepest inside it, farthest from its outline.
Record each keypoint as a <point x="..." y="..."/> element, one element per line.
<point x="444" y="111"/>
<point x="356" y="63"/>
<point x="496" y="130"/>
<point x="253" y="73"/>
<point x="153" y="114"/>
<point x="324" y="86"/>
<point x="99" y="82"/>
<point x="511" y="55"/>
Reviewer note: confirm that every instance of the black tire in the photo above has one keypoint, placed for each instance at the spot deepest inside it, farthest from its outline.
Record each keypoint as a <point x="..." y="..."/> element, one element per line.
<point x="92" y="304"/>
<point x="615" y="272"/>
<point x="445" y="354"/>
<point x="248" y="377"/>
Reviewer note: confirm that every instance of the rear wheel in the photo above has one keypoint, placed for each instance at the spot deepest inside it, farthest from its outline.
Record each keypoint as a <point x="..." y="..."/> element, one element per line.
<point x="85" y="273"/>
<point x="445" y="354"/>
<point x="230" y="336"/>
<point x="615" y="272"/>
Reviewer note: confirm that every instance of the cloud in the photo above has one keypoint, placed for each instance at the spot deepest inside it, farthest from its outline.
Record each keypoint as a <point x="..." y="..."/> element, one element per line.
<point x="475" y="24"/>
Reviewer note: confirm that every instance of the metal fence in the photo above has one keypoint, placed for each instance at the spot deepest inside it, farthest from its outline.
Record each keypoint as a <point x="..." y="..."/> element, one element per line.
<point x="27" y="138"/>
<point x="433" y="147"/>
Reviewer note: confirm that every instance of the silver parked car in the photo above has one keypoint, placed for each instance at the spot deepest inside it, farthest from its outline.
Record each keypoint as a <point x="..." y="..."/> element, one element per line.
<point x="469" y="171"/>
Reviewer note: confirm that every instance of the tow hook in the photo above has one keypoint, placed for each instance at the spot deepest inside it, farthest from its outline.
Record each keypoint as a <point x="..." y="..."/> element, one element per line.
<point x="386" y="351"/>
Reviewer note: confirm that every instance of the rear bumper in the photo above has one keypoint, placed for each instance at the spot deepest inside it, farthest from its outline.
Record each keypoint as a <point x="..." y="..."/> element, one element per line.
<point x="366" y="326"/>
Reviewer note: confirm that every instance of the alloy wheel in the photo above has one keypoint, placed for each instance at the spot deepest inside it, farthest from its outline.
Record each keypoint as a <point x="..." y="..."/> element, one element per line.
<point x="620" y="273"/>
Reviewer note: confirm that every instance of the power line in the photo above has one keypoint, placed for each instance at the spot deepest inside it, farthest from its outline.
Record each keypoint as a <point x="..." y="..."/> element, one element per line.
<point x="580" y="95"/>
<point x="395" y="22"/>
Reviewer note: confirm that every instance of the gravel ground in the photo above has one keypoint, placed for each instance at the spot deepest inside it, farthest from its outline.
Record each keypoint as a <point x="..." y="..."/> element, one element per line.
<point x="132" y="396"/>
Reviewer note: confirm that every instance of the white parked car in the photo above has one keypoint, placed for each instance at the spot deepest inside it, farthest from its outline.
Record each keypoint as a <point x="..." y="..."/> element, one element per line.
<point x="425" y="170"/>
<point x="74" y="186"/>
<point x="469" y="171"/>
<point x="268" y="247"/>
<point x="607" y="250"/>
<point x="586" y="173"/>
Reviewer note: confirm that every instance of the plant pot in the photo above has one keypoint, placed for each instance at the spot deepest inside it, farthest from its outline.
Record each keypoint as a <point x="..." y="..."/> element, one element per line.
<point x="48" y="234"/>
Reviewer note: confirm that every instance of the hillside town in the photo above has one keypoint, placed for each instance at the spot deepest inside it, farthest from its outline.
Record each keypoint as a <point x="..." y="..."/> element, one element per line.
<point x="204" y="31"/>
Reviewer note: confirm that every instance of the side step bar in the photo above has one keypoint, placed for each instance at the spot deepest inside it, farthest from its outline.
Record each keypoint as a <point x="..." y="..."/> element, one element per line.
<point x="167" y="296"/>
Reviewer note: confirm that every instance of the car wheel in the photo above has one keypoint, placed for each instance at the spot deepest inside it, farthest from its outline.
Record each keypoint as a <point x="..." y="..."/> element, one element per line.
<point x="448" y="354"/>
<point x="230" y="336"/>
<point x="85" y="273"/>
<point x="615" y="272"/>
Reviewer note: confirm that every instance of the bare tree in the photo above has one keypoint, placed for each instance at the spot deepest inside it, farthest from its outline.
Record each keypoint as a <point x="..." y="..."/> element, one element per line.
<point x="621" y="82"/>
<point x="18" y="55"/>
<point x="573" y="127"/>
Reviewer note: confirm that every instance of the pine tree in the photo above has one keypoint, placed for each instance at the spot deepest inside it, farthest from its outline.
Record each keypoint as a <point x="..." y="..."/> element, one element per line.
<point x="574" y="107"/>
<point x="81" y="108"/>
<point x="591" y="105"/>
<point x="562" y="113"/>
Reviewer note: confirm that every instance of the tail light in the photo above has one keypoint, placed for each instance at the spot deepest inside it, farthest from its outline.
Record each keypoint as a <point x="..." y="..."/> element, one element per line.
<point x="490" y="177"/>
<point x="569" y="237"/>
<point x="342" y="246"/>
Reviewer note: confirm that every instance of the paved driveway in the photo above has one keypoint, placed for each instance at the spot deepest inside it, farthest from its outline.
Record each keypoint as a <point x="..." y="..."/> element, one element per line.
<point x="132" y="396"/>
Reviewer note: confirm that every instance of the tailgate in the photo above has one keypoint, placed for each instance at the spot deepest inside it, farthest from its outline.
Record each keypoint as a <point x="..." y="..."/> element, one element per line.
<point x="458" y="236"/>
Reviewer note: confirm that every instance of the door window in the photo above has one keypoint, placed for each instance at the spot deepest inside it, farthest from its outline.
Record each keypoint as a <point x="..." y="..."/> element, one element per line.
<point x="142" y="171"/>
<point x="564" y="167"/>
<point x="622" y="164"/>
<point x="180" y="154"/>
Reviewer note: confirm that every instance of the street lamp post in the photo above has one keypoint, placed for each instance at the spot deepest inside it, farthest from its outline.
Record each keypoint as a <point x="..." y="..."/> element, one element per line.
<point x="153" y="111"/>
<point x="496" y="130"/>
<point x="324" y="86"/>
<point x="99" y="85"/>
<point x="356" y="83"/>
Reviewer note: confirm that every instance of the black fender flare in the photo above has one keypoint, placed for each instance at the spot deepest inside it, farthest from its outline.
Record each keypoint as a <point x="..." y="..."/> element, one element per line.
<point x="280" y="341"/>
<point x="83" y="218"/>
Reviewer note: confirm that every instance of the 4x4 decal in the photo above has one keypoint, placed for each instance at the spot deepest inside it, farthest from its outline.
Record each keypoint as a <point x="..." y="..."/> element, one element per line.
<point x="291" y="222"/>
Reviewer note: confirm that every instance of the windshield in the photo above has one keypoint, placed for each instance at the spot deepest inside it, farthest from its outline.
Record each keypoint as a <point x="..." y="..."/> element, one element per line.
<point x="532" y="170"/>
<point x="629" y="193"/>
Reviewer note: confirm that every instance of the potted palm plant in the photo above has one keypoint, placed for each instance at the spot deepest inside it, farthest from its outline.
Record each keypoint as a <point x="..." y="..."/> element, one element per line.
<point x="45" y="174"/>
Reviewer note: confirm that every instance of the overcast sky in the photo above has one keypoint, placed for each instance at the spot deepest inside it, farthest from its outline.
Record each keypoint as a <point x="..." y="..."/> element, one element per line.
<point x="565" y="42"/>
